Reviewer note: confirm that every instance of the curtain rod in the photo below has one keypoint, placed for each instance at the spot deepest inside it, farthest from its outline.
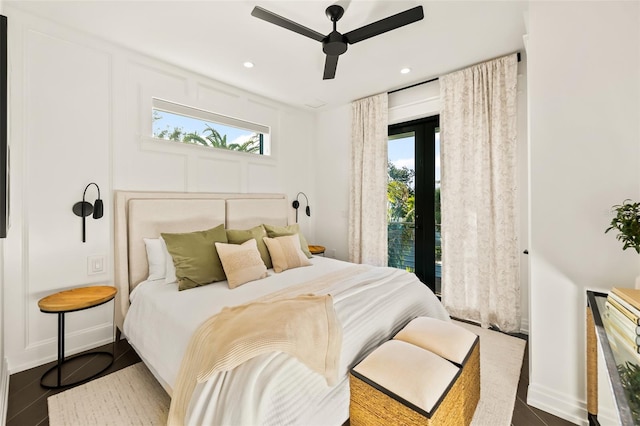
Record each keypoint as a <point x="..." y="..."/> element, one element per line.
<point x="429" y="81"/>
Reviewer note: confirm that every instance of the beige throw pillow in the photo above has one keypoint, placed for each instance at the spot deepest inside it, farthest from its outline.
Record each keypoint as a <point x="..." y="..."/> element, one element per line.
<point x="241" y="262"/>
<point x="239" y="236"/>
<point x="274" y="231"/>
<point x="285" y="253"/>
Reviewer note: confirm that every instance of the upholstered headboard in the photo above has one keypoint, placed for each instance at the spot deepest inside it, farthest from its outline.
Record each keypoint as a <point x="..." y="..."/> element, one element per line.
<point x="140" y="215"/>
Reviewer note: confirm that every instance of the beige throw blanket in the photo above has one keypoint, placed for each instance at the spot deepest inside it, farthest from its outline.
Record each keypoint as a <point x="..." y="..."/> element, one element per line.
<point x="305" y="326"/>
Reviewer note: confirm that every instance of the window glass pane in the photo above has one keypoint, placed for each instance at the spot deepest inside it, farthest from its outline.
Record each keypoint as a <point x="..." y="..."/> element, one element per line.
<point x="204" y="128"/>
<point x="401" y="202"/>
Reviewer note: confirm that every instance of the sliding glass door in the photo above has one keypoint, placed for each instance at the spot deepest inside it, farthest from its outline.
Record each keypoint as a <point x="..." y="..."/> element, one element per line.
<point x="413" y="194"/>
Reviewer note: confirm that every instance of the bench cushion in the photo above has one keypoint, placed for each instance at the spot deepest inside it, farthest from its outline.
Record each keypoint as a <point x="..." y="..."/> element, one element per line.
<point x="443" y="338"/>
<point x="403" y="369"/>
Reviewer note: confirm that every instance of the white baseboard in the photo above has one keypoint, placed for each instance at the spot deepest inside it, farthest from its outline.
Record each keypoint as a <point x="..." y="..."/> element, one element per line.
<point x="524" y="326"/>
<point x="47" y="350"/>
<point x="558" y="404"/>
<point x="4" y="390"/>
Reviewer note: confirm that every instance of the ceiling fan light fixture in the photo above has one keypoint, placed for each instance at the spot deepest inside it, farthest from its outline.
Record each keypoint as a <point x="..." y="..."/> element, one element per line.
<point x="405" y="70"/>
<point x="248" y="64"/>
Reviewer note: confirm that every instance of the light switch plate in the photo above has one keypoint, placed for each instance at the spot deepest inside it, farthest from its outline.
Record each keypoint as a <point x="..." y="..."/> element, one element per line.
<point x="96" y="264"/>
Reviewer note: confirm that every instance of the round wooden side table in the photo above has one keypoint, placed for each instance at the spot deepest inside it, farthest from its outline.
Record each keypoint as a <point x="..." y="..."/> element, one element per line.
<point x="61" y="303"/>
<point x="316" y="250"/>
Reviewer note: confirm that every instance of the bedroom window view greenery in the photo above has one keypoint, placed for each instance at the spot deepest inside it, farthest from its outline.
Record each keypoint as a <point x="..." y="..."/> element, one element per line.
<point x="194" y="126"/>
<point x="630" y="377"/>
<point x="401" y="217"/>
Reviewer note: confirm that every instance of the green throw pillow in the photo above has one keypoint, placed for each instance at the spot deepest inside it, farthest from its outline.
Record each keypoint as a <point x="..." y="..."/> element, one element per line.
<point x="195" y="256"/>
<point x="239" y="236"/>
<point x="283" y="231"/>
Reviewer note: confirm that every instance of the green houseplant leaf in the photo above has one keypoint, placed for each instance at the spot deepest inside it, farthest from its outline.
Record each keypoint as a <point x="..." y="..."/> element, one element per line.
<point x="630" y="378"/>
<point x="627" y="223"/>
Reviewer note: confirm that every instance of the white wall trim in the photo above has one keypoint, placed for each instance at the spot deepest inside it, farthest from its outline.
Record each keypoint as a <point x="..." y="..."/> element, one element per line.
<point x="557" y="404"/>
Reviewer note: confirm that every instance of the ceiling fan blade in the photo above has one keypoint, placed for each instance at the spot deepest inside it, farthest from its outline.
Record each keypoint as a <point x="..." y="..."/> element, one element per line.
<point x="278" y="20"/>
<point x="330" y="65"/>
<point x="387" y="24"/>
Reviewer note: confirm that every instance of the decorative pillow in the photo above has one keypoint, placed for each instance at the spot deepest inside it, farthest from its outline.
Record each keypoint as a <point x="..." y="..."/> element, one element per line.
<point x="242" y="263"/>
<point x="282" y="231"/>
<point x="285" y="253"/>
<point x="169" y="267"/>
<point x="195" y="256"/>
<point x="155" y="258"/>
<point x="237" y="236"/>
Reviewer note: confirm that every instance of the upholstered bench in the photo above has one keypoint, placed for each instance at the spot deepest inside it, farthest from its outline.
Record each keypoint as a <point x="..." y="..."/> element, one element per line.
<point x="429" y="373"/>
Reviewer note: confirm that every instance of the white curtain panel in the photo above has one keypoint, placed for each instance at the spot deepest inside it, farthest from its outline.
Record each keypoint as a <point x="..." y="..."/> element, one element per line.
<point x="480" y="253"/>
<point x="368" y="195"/>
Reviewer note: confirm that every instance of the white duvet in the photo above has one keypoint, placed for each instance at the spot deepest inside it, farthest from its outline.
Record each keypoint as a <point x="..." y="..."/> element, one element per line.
<point x="273" y="389"/>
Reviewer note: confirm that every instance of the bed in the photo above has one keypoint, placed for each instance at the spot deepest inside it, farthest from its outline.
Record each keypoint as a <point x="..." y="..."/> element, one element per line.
<point x="274" y="388"/>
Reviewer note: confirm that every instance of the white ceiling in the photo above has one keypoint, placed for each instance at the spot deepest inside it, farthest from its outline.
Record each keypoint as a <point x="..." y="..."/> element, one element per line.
<point x="214" y="38"/>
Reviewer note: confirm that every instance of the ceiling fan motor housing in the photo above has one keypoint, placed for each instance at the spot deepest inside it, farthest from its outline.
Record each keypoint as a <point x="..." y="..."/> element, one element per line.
<point x="334" y="44"/>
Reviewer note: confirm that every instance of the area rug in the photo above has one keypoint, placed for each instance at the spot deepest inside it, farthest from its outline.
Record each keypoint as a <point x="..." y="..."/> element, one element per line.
<point x="132" y="396"/>
<point x="501" y="358"/>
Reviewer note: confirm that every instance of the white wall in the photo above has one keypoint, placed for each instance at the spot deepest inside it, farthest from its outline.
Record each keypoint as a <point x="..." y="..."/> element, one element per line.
<point x="332" y="160"/>
<point x="333" y="154"/>
<point x="81" y="112"/>
<point x="584" y="110"/>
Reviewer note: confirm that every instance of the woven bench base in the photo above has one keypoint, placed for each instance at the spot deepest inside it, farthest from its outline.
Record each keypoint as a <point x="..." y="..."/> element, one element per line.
<point x="370" y="406"/>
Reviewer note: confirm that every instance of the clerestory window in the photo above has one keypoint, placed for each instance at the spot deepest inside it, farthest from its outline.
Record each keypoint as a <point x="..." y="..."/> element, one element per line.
<point x="184" y="124"/>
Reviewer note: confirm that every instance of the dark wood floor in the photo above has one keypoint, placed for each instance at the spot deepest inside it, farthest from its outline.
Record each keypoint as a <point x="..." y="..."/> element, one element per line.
<point x="525" y="415"/>
<point x="28" y="400"/>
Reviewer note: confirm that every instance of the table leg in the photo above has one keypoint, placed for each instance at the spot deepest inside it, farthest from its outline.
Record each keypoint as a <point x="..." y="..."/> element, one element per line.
<point x="60" y="346"/>
<point x="53" y="377"/>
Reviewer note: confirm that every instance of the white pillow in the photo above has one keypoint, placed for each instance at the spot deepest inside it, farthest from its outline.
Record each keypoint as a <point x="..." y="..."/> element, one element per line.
<point x="161" y="265"/>
<point x="241" y="262"/>
<point x="155" y="258"/>
<point x="170" y="268"/>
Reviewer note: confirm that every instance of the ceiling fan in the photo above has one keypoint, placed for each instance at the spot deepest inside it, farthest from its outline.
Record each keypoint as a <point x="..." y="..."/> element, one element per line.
<point x="335" y="44"/>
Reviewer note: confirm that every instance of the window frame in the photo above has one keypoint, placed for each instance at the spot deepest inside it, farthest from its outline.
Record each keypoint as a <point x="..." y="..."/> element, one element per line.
<point x="196" y="113"/>
<point x="424" y="130"/>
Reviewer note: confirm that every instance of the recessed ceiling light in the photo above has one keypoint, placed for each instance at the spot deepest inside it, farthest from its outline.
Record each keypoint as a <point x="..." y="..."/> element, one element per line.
<point x="405" y="70"/>
<point x="248" y="64"/>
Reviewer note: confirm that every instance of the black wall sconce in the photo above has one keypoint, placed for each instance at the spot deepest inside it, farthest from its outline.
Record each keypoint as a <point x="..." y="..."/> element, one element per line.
<point x="84" y="208"/>
<point x="296" y="204"/>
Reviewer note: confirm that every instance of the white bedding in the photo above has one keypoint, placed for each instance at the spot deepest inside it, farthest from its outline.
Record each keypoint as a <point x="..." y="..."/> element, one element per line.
<point x="273" y="389"/>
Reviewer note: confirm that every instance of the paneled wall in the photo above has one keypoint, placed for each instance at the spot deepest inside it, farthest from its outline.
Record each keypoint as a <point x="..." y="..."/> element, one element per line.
<point x="81" y="113"/>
